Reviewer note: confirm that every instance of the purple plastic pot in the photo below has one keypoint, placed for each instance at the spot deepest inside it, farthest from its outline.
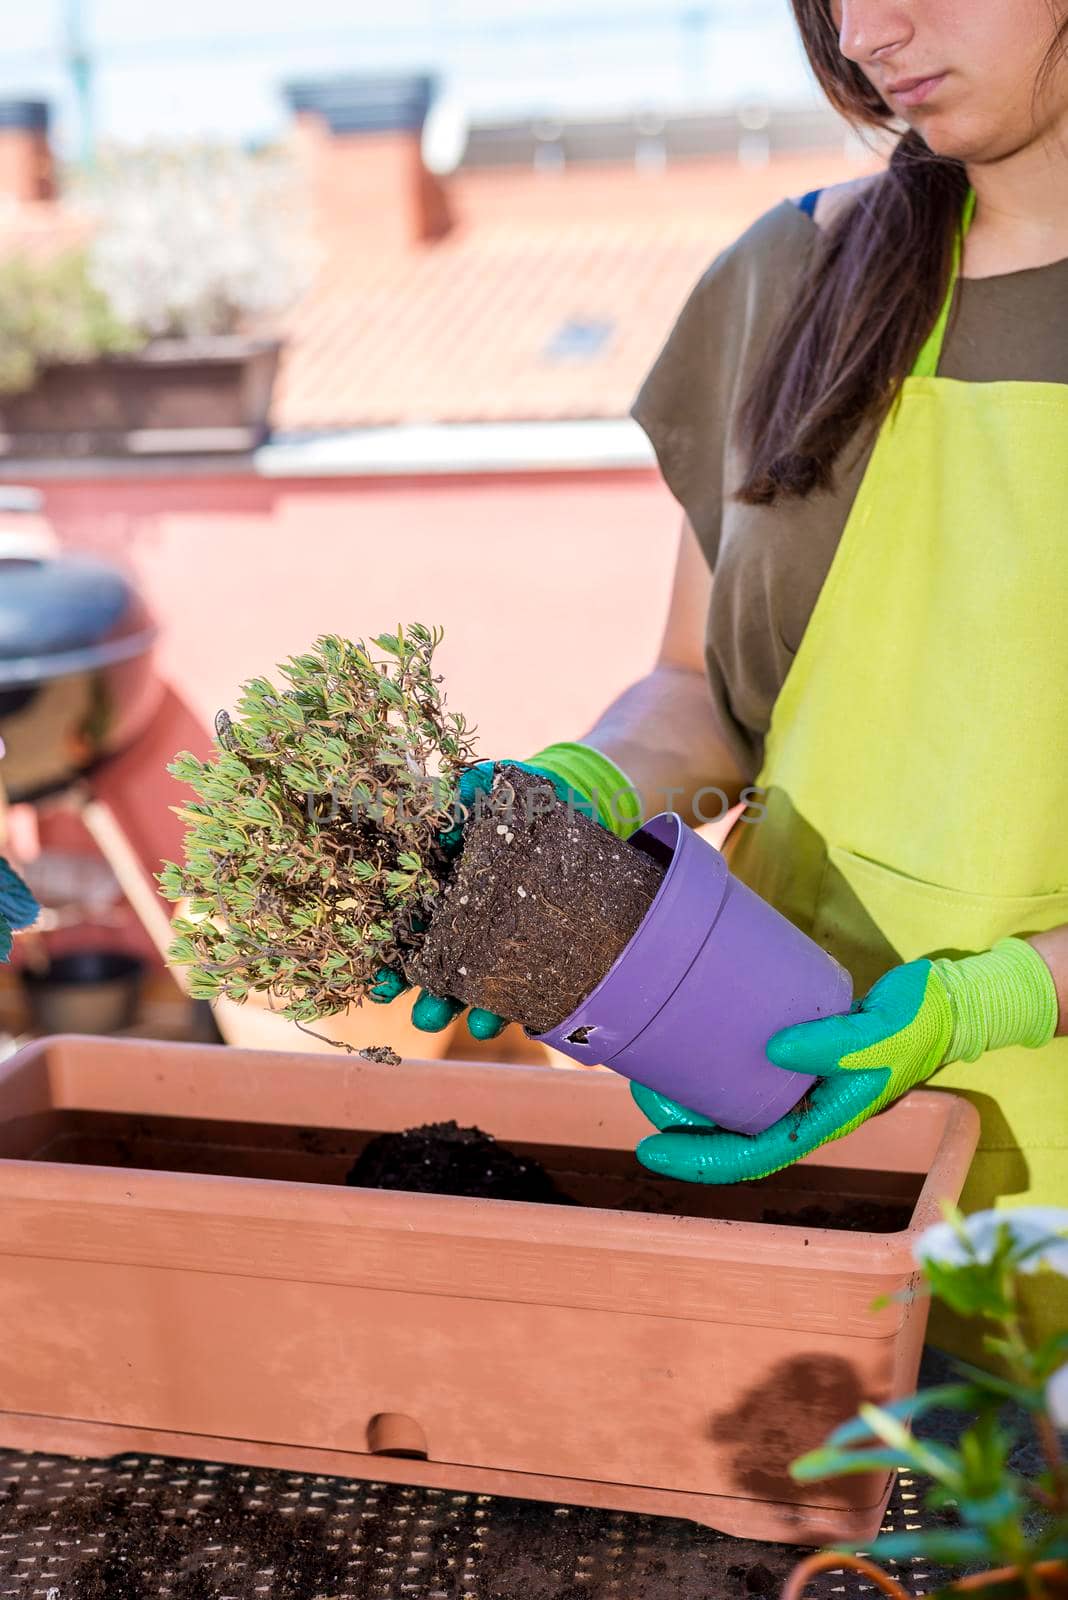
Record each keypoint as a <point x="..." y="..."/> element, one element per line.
<point x="712" y="972"/>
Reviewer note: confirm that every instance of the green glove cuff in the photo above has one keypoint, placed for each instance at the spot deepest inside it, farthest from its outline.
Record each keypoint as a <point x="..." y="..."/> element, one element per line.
<point x="1004" y="996"/>
<point x="598" y="780"/>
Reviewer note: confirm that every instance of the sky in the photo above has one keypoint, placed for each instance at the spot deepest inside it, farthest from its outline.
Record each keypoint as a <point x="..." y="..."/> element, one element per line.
<point x="203" y="68"/>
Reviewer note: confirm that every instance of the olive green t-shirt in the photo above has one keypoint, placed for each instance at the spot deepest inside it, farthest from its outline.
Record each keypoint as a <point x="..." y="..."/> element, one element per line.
<point x="770" y="562"/>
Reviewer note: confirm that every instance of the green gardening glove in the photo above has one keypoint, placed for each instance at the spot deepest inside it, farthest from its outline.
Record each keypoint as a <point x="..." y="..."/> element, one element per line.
<point x="581" y="776"/>
<point x="916" y="1018"/>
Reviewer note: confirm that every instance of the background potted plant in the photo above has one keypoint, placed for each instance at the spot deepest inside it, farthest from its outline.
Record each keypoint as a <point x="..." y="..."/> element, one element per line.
<point x="1013" y="1522"/>
<point x="159" y="334"/>
<point x="52" y="313"/>
<point x="342" y="829"/>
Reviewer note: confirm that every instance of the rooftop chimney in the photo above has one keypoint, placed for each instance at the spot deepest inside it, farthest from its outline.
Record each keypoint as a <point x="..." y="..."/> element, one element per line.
<point x="361" y="138"/>
<point x="27" y="172"/>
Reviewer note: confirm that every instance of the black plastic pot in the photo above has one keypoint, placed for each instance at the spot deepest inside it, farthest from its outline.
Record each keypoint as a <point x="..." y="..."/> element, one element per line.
<point x="85" y="991"/>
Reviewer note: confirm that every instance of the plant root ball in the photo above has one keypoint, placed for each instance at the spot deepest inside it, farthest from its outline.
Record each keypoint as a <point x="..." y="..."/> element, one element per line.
<point x="539" y="906"/>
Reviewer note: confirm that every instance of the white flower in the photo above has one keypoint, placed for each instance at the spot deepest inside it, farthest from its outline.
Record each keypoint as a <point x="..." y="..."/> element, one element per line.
<point x="1057" y="1398"/>
<point x="1029" y="1226"/>
<point x="192" y="241"/>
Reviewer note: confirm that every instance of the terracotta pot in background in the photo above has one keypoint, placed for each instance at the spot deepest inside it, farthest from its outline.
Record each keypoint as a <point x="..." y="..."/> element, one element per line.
<point x="185" y="1273"/>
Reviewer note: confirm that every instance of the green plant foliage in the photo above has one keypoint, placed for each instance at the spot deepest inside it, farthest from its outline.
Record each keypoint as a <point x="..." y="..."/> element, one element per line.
<point x="1006" y="1519"/>
<point x="18" y="908"/>
<point x="51" y="312"/>
<point x="313" y="856"/>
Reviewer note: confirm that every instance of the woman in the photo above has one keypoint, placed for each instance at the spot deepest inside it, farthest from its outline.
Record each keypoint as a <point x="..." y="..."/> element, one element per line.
<point x="863" y="410"/>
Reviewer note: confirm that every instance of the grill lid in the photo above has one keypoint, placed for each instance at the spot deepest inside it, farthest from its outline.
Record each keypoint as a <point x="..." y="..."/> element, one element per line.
<point x="62" y="613"/>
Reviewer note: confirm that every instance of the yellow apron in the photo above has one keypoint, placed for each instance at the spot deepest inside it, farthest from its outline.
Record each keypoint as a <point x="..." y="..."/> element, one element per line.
<point x="916" y="765"/>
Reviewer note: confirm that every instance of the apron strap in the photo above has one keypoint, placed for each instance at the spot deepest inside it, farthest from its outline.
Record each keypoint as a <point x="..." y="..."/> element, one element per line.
<point x="927" y="362"/>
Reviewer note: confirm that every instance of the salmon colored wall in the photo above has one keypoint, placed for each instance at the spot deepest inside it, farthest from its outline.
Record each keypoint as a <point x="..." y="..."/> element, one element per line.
<point x="552" y="589"/>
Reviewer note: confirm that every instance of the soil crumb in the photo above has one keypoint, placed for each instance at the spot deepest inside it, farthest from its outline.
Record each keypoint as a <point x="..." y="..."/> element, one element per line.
<point x="384" y="1054"/>
<point x="756" y="1580"/>
<point x="443" y="1158"/>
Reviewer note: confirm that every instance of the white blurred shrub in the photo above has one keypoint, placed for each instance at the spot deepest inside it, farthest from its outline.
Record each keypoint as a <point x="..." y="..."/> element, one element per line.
<point x="198" y="240"/>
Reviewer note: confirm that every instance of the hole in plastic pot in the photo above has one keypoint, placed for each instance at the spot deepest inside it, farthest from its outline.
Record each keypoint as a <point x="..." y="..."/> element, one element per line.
<point x="392" y="1434"/>
<point x="582" y="1035"/>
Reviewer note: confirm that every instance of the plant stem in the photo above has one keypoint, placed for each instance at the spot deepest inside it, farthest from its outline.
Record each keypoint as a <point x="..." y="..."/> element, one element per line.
<point x="1036" y="1589"/>
<point x="1047" y="1434"/>
<point x="1051" y="1449"/>
<point x="830" y="1562"/>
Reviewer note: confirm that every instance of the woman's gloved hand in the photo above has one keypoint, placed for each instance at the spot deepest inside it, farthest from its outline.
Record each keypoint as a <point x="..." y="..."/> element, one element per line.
<point x="916" y="1018"/>
<point x="581" y="776"/>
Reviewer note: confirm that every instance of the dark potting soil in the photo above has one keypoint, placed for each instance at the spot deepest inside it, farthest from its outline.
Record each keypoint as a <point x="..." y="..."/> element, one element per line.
<point x="443" y="1158"/>
<point x="859" y="1216"/>
<point x="538" y="907"/>
<point x="543" y="1555"/>
<point x="384" y="1054"/>
<point x="305" y="1563"/>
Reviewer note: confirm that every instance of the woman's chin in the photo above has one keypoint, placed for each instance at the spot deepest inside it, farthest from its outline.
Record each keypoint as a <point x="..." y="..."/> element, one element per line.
<point x="960" y="139"/>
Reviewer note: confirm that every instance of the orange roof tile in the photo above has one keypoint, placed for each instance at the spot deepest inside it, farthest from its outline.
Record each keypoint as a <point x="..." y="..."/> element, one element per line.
<point x="459" y="331"/>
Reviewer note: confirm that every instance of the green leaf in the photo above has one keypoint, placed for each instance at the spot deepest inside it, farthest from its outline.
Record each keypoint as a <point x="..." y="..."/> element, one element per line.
<point x="301" y="778"/>
<point x="204" y="985"/>
<point x="1051" y="1354"/>
<point x="827" y="1463"/>
<point x="953" y="1546"/>
<point x="936" y="1460"/>
<point x="953" y="1396"/>
<point x="886" y="1425"/>
<point x="260" y="811"/>
<point x="991" y="1383"/>
<point x="991" y="1510"/>
<point x="975" y="1289"/>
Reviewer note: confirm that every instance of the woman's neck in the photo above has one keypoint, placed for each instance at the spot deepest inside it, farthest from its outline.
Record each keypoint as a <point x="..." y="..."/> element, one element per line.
<point x="1021" y="217"/>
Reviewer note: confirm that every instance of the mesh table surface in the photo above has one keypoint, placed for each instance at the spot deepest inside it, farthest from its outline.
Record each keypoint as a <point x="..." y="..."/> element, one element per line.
<point x="138" y="1528"/>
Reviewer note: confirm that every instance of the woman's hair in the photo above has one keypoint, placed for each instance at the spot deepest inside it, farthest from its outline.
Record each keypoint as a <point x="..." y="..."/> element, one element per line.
<point x="877" y="284"/>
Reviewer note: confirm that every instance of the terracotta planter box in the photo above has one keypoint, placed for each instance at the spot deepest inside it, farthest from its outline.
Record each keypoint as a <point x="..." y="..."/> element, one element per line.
<point x="177" y="397"/>
<point x="183" y="1272"/>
